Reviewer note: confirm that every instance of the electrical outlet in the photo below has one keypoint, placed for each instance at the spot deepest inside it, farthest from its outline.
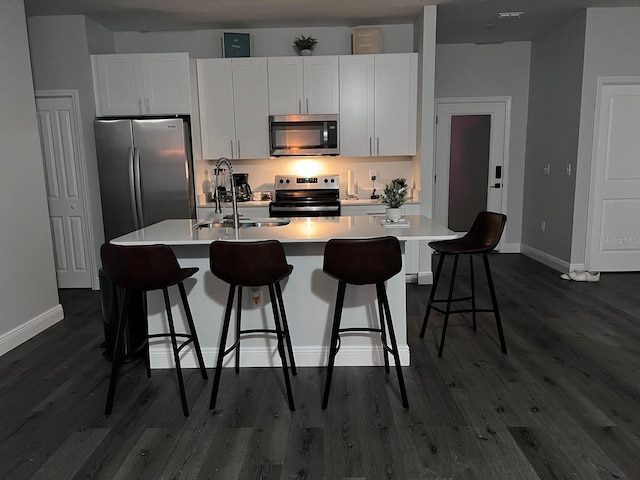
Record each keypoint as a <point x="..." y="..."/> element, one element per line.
<point x="543" y="225"/>
<point x="568" y="169"/>
<point x="373" y="174"/>
<point x="547" y="169"/>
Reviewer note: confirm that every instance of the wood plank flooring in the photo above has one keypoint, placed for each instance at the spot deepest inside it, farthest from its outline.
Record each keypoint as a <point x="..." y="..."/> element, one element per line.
<point x="563" y="404"/>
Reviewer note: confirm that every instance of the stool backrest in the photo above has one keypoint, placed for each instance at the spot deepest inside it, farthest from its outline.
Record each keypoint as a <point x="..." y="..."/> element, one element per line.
<point x="486" y="231"/>
<point x="363" y="261"/>
<point x="250" y="264"/>
<point x="143" y="267"/>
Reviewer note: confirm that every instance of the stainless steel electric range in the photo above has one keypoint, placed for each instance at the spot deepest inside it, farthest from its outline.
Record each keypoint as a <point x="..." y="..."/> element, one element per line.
<point x="306" y="196"/>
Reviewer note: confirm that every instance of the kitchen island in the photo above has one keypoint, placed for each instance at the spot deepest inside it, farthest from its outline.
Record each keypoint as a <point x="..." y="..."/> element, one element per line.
<point x="309" y="294"/>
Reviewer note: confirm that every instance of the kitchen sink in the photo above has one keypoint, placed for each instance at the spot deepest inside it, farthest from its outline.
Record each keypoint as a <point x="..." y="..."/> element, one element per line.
<point x="244" y="223"/>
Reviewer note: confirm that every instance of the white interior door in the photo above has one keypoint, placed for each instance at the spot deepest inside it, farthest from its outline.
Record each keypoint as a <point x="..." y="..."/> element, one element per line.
<point x="69" y="227"/>
<point x="614" y="233"/>
<point x="490" y="178"/>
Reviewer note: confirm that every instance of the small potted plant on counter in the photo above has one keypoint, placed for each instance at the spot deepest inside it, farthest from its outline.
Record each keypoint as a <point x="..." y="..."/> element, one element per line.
<point x="394" y="196"/>
<point x="304" y="45"/>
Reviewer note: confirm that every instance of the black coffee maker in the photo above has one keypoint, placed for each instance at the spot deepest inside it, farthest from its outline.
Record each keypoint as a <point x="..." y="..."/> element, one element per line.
<point x="243" y="190"/>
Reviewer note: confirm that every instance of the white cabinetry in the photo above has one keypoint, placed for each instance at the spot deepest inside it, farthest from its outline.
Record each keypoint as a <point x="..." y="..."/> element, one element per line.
<point x="234" y="107"/>
<point x="378" y="104"/>
<point x="303" y="85"/>
<point x="141" y="84"/>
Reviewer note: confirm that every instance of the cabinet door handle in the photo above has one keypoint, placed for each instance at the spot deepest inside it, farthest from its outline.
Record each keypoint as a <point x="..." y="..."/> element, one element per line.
<point x="300" y="105"/>
<point x="140" y="106"/>
<point x="239" y="156"/>
<point x="231" y="142"/>
<point x="378" y="146"/>
<point x="147" y="103"/>
<point x="307" y="102"/>
<point x="370" y="146"/>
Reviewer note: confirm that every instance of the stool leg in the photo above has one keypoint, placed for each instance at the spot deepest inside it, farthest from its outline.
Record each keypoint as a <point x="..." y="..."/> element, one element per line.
<point x="176" y="354"/>
<point x="473" y="293"/>
<point x="432" y="295"/>
<point x="192" y="328"/>
<point x="285" y="326"/>
<point x="117" y="352"/>
<point x="333" y="347"/>
<point x="223" y="343"/>
<point x="383" y="334"/>
<point x="237" y="343"/>
<point x="382" y="298"/>
<point x="147" y="359"/>
<point x="494" y="302"/>
<point x="448" y="310"/>
<point x="283" y="356"/>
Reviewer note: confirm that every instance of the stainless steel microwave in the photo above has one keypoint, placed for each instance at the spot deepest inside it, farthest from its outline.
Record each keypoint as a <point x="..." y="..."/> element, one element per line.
<point x="295" y="135"/>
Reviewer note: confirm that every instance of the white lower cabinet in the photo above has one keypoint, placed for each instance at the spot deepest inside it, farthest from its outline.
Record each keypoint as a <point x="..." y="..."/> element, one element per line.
<point x="412" y="256"/>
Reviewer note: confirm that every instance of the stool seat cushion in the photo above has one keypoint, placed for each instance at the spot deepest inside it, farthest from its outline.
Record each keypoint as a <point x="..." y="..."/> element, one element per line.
<point x="483" y="236"/>
<point x="249" y="264"/>
<point x="363" y="261"/>
<point x="143" y="267"/>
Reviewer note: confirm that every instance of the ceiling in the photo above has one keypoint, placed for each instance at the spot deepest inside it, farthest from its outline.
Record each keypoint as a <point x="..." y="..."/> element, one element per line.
<point x="459" y="21"/>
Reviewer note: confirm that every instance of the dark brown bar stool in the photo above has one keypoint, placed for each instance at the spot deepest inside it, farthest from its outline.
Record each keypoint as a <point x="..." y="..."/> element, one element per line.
<point x="481" y="239"/>
<point x="142" y="269"/>
<point x="369" y="261"/>
<point x="252" y="264"/>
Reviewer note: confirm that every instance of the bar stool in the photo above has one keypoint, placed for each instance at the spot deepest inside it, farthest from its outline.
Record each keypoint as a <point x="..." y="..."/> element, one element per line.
<point x="252" y="264"/>
<point x="143" y="269"/>
<point x="482" y="238"/>
<point x="364" y="262"/>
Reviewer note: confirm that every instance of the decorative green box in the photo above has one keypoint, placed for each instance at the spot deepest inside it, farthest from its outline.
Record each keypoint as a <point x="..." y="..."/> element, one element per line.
<point x="236" y="45"/>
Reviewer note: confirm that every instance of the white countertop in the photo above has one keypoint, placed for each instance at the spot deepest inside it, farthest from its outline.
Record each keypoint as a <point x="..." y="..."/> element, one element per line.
<point x="300" y="230"/>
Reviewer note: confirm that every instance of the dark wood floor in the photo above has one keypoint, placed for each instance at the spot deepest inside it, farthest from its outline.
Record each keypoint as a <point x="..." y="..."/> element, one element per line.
<point x="563" y="404"/>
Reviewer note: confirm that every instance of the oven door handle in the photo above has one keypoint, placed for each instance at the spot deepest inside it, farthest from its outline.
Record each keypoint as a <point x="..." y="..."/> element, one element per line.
<point x="322" y="208"/>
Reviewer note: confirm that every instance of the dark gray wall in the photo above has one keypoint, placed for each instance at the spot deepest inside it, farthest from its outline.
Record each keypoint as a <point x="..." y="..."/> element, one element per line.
<point x="60" y="56"/>
<point x="552" y="138"/>
<point x="469" y="70"/>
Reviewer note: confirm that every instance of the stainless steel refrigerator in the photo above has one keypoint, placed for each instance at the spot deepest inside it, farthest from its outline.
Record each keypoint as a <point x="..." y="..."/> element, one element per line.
<point x="146" y="172"/>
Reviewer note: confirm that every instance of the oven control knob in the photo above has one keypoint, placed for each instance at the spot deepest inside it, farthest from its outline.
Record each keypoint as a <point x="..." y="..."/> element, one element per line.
<point x="288" y="181"/>
<point x="326" y="180"/>
<point x="281" y="181"/>
<point x="333" y="180"/>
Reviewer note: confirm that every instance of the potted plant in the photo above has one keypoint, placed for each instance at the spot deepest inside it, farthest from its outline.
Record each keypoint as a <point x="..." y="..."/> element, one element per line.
<point x="394" y="196"/>
<point x="304" y="45"/>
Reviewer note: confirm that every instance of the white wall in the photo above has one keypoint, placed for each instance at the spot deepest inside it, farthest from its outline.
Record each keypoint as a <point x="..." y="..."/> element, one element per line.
<point x="612" y="44"/>
<point x="28" y="289"/>
<point x="552" y="138"/>
<point x="265" y="42"/>
<point x="469" y="70"/>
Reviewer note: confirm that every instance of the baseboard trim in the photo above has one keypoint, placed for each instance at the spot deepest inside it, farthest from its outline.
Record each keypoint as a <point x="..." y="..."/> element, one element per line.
<point x="510" y="248"/>
<point x="358" y="356"/>
<point x="29" y="329"/>
<point x="545" y="258"/>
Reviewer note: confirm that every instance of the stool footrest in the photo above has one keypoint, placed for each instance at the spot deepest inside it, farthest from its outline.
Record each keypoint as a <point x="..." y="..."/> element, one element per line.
<point x="189" y="338"/>
<point x="463" y="310"/>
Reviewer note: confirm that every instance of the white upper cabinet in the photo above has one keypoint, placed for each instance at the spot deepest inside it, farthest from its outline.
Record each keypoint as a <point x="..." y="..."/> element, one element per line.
<point x="303" y="85"/>
<point x="378" y="104"/>
<point x="234" y="107"/>
<point x="141" y="84"/>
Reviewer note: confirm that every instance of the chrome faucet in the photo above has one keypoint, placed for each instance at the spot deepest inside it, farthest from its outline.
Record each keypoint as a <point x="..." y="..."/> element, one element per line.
<point x="234" y="201"/>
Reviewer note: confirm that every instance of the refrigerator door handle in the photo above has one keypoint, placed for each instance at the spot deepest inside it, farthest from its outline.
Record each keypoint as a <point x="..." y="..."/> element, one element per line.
<point x="132" y="186"/>
<point x="138" y="187"/>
